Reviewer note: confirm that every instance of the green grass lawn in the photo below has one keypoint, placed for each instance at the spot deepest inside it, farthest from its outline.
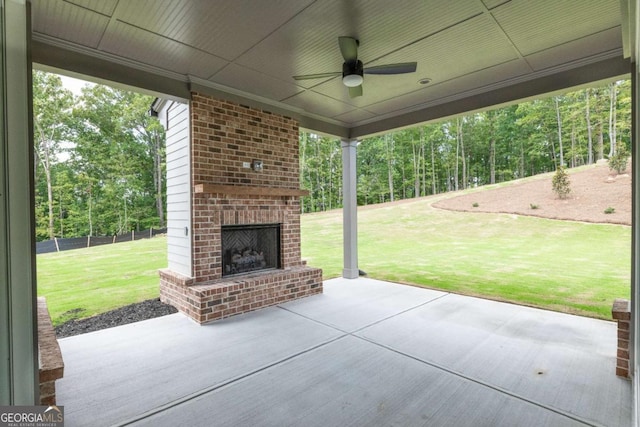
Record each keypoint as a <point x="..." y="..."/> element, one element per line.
<point x="84" y="282"/>
<point x="560" y="265"/>
<point x="566" y="266"/>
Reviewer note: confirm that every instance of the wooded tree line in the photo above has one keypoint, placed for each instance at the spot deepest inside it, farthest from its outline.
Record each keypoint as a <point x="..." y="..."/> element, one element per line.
<point x="569" y="130"/>
<point x="99" y="161"/>
<point x="100" y="157"/>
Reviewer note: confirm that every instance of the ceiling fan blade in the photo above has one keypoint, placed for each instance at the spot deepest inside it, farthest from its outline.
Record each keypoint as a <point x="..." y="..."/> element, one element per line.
<point x="317" y="76"/>
<point x="400" y="68"/>
<point x="349" y="48"/>
<point x="355" y="91"/>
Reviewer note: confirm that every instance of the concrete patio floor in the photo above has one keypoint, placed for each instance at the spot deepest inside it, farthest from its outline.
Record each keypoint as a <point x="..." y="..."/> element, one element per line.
<point x="365" y="353"/>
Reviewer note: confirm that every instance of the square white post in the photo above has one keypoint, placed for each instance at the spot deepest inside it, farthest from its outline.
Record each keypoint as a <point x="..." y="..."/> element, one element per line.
<point x="350" y="209"/>
<point x="18" y="324"/>
<point x="634" y="333"/>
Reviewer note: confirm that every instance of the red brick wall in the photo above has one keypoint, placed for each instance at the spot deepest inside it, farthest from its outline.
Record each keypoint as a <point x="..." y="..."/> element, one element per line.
<point x="220" y="299"/>
<point x="621" y="312"/>
<point x="224" y="135"/>
<point x="49" y="355"/>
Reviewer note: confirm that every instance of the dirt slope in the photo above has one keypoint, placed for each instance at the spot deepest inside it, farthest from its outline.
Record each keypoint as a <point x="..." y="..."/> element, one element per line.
<point x="593" y="189"/>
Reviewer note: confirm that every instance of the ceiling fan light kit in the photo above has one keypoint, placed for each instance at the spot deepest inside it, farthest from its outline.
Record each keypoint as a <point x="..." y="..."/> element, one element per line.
<point x="352" y="71"/>
<point x="352" y="80"/>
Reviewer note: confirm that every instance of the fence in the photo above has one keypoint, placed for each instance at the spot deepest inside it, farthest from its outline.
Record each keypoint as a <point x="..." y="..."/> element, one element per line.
<point x="58" y="245"/>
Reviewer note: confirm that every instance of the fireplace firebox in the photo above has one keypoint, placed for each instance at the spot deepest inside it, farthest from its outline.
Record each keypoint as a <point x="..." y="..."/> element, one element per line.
<point x="248" y="248"/>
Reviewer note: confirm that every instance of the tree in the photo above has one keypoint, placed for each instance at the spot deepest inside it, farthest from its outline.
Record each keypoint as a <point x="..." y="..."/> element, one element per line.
<point x="148" y="132"/>
<point x="417" y="157"/>
<point x="560" y="183"/>
<point x="492" y="147"/>
<point x="479" y="148"/>
<point x="119" y="158"/>
<point x="320" y="172"/>
<point x="559" y="119"/>
<point x="433" y="170"/>
<point x="100" y="160"/>
<point x="389" y="143"/>
<point x="613" y="94"/>
<point x="51" y="113"/>
<point x="460" y="136"/>
<point x="618" y="162"/>
<point x="588" y="120"/>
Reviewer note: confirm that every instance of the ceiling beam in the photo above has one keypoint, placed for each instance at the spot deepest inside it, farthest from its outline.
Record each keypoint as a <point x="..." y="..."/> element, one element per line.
<point x="105" y="71"/>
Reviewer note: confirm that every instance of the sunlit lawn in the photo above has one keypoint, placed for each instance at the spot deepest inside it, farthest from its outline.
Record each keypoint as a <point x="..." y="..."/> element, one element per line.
<point x="85" y="282"/>
<point x="566" y="266"/>
<point x="560" y="265"/>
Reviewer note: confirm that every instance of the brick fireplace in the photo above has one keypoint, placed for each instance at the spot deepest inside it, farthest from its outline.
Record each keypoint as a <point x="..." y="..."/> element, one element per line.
<point x="244" y="175"/>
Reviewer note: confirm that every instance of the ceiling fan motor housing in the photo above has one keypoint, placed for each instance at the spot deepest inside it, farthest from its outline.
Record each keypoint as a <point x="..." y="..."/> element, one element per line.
<point x="352" y="67"/>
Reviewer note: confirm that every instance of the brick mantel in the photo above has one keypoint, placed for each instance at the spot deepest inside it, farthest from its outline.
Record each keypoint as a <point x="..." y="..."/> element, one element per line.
<point x="225" y="137"/>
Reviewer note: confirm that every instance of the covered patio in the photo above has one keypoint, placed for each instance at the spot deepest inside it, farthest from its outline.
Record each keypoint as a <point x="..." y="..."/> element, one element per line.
<point x="365" y="352"/>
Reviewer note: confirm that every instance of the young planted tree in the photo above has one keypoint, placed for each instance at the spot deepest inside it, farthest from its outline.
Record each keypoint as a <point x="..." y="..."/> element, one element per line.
<point x="618" y="162"/>
<point x="561" y="184"/>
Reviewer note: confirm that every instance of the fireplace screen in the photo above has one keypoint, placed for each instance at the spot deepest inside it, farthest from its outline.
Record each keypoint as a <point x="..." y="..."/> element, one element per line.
<point x="247" y="248"/>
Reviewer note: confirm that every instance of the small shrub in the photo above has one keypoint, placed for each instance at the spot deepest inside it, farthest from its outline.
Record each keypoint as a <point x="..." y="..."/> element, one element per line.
<point x="534" y="206"/>
<point x="609" y="210"/>
<point x="618" y="162"/>
<point x="561" y="184"/>
<point x="475" y="205"/>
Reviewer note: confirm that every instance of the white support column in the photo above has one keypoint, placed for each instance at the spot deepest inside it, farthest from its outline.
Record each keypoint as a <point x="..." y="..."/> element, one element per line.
<point x="634" y="335"/>
<point x="350" y="209"/>
<point x="635" y="213"/>
<point x="18" y="325"/>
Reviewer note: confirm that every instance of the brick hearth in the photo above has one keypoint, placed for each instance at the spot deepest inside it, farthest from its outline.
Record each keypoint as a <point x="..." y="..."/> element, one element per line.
<point x="224" y="137"/>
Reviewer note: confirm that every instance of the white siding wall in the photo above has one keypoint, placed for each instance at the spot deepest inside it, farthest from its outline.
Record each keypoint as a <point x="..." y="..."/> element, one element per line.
<point x="175" y="117"/>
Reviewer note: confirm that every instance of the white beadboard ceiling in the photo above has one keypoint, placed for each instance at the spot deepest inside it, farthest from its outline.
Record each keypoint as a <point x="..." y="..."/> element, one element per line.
<point x="476" y="52"/>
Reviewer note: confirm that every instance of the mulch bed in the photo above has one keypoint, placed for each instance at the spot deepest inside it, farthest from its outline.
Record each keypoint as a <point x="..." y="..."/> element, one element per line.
<point x="121" y="316"/>
<point x="592" y="191"/>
